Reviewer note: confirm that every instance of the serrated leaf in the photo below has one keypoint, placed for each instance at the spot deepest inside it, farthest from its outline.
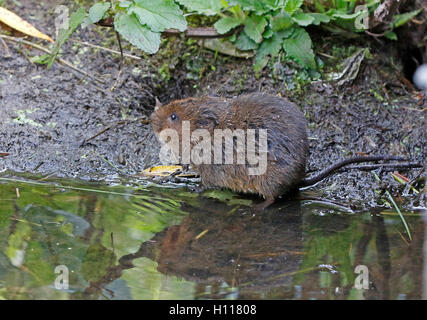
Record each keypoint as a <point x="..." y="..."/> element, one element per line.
<point x="270" y="48"/>
<point x="245" y="43"/>
<point x="142" y="37"/>
<point x="320" y="18"/>
<point x="159" y="15"/>
<point x="17" y="23"/>
<point x="401" y="19"/>
<point x="303" y="19"/>
<point x="254" y="27"/>
<point x="76" y="19"/>
<point x="226" y="24"/>
<point x="281" y="21"/>
<point x="292" y="5"/>
<point x="98" y="10"/>
<point x="207" y="7"/>
<point x="268" y="33"/>
<point x="299" y="48"/>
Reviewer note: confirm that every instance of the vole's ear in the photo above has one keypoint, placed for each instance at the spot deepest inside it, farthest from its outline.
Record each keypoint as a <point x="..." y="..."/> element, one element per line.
<point x="207" y="119"/>
<point x="158" y="104"/>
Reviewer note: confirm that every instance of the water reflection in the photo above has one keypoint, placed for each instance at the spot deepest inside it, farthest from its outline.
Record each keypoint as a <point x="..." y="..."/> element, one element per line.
<point x="169" y="244"/>
<point x="228" y="254"/>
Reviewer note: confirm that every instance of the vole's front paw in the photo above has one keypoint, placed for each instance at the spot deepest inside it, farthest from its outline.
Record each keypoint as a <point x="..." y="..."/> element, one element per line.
<point x="197" y="189"/>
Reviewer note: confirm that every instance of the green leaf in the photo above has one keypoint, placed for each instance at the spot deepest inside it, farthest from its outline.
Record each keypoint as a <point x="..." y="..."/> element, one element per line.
<point x="390" y="35"/>
<point x="260" y="7"/>
<point x="401" y="19"/>
<point x="226" y="24"/>
<point x="268" y="33"/>
<point x="299" y="48"/>
<point x="125" y="4"/>
<point x="140" y="36"/>
<point x="281" y="21"/>
<point x="207" y="7"/>
<point x="159" y="15"/>
<point x="320" y="18"/>
<point x="75" y="20"/>
<point x="254" y="27"/>
<point x="270" y="47"/>
<point x="43" y="59"/>
<point x="274" y="4"/>
<point x="303" y="19"/>
<point x="248" y="5"/>
<point x="319" y="6"/>
<point x="98" y="10"/>
<point x="86" y="21"/>
<point x="292" y="5"/>
<point x="245" y="43"/>
<point x="346" y="16"/>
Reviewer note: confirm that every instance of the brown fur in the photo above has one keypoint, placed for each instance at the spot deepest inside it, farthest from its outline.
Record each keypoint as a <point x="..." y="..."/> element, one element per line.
<point x="286" y="131"/>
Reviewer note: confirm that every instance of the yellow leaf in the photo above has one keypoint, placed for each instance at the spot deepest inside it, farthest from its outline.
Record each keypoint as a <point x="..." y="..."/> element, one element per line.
<point x="15" y="22"/>
<point x="161" y="170"/>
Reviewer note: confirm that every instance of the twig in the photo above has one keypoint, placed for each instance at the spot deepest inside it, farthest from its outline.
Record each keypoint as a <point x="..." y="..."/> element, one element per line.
<point x="6" y="48"/>
<point x="415" y="109"/>
<point x="61" y="61"/>
<point x="126" y="55"/>
<point x="120" y="122"/>
<point x="203" y="32"/>
<point x="121" y="50"/>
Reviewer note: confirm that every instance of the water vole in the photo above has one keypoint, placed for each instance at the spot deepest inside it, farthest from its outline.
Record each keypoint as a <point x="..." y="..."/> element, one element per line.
<point x="286" y="147"/>
<point x="286" y="138"/>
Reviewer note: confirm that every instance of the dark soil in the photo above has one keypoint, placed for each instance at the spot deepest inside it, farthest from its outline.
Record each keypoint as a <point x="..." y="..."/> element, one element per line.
<point x="49" y="118"/>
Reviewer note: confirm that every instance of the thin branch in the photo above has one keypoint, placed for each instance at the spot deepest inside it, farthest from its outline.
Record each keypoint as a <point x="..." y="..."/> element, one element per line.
<point x="203" y="32"/>
<point x="61" y="61"/>
<point x="126" y="55"/>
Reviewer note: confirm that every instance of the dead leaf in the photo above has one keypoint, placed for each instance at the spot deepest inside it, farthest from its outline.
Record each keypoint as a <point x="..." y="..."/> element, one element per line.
<point x="17" y="23"/>
<point x="162" y="171"/>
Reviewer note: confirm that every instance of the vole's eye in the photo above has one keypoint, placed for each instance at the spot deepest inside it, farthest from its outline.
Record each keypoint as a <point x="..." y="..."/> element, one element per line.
<point x="173" y="117"/>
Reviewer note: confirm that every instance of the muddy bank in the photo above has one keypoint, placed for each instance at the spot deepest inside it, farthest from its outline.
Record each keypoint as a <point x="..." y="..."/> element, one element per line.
<point x="56" y="122"/>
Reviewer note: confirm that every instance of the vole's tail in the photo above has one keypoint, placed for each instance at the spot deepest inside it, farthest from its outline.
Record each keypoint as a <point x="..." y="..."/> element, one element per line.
<point x="308" y="181"/>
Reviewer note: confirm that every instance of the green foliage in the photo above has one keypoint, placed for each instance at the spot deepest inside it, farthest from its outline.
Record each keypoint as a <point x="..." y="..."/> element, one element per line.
<point x="268" y="27"/>
<point x="206" y="7"/>
<point x="129" y="27"/>
<point x="299" y="46"/>
<point x="401" y="19"/>
<point x="158" y="15"/>
<point x="75" y="20"/>
<point x="98" y="11"/>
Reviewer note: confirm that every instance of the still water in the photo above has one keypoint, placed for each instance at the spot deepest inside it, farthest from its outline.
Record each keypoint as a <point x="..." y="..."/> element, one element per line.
<point x="62" y="240"/>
